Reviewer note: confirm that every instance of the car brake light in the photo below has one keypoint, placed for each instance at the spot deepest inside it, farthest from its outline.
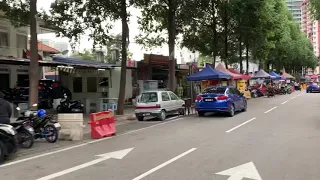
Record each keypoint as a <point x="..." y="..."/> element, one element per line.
<point x="149" y="107"/>
<point x="41" y="88"/>
<point x="199" y="98"/>
<point x="54" y="85"/>
<point x="222" y="98"/>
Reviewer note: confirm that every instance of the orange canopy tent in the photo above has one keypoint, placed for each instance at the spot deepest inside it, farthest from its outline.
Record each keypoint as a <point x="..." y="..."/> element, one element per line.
<point x="222" y="69"/>
<point x="286" y="75"/>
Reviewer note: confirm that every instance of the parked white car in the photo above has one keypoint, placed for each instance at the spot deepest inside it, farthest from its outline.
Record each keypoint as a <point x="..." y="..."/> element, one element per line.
<point x="158" y="104"/>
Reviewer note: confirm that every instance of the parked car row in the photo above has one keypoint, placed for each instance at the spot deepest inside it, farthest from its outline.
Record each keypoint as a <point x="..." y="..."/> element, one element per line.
<point x="159" y="103"/>
<point x="29" y="125"/>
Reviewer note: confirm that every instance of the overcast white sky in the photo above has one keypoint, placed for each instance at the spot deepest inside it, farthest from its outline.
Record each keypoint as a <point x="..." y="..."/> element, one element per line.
<point x="137" y="50"/>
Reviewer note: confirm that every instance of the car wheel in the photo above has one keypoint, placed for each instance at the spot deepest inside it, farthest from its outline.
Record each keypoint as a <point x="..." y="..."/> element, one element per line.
<point x="201" y="113"/>
<point x="231" y="111"/>
<point x="140" y="118"/>
<point x="162" y="115"/>
<point x="3" y="152"/>
<point x="245" y="106"/>
<point x="182" y="112"/>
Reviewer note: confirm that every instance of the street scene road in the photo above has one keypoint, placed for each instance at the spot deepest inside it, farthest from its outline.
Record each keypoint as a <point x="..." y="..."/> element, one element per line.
<point x="275" y="139"/>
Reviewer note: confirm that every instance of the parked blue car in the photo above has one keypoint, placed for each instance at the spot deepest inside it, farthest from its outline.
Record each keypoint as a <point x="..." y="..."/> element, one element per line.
<point x="313" y="88"/>
<point x="224" y="99"/>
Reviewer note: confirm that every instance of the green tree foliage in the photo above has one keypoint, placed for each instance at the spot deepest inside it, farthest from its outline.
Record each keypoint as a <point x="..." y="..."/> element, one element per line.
<point x="261" y="29"/>
<point x="315" y="8"/>
<point x="74" y="18"/>
<point x="162" y="21"/>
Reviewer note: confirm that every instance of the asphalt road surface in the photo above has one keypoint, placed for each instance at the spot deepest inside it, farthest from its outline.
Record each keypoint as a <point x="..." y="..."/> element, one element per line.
<point x="276" y="139"/>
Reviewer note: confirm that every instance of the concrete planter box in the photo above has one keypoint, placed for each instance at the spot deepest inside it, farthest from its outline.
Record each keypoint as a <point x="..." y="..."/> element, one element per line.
<point x="71" y="126"/>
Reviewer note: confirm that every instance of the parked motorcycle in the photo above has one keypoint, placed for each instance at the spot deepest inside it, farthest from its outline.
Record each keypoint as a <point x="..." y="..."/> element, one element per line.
<point x="69" y="106"/>
<point x="288" y="90"/>
<point x="25" y="132"/>
<point x="270" y="92"/>
<point x="8" y="141"/>
<point x="43" y="125"/>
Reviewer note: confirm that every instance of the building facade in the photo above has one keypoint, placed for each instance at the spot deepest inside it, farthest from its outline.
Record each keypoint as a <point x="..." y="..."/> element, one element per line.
<point x="294" y="6"/>
<point x="310" y="27"/>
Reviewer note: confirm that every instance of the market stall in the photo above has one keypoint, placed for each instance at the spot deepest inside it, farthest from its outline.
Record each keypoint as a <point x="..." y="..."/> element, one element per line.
<point x="275" y="76"/>
<point x="209" y="77"/>
<point x="260" y="81"/>
<point x="242" y="83"/>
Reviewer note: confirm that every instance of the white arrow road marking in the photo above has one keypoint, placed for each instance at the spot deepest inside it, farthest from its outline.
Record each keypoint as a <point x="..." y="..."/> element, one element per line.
<point x="115" y="155"/>
<point x="164" y="164"/>
<point x="270" y="109"/>
<point x="247" y="170"/>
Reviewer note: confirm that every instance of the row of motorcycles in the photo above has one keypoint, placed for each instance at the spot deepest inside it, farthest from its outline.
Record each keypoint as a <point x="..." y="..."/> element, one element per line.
<point x="29" y="126"/>
<point x="275" y="90"/>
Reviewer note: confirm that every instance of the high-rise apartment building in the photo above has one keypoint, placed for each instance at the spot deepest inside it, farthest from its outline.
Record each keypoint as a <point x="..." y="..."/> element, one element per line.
<point x="310" y="27"/>
<point x="294" y="6"/>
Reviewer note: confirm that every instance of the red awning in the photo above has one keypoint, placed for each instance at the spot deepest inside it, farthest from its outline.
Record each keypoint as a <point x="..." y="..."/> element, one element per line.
<point x="244" y="77"/>
<point x="27" y="55"/>
<point x="234" y="76"/>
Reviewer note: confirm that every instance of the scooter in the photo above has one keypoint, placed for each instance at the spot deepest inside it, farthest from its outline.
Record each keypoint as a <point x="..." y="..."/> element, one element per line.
<point x="42" y="124"/>
<point x="69" y="106"/>
<point x="8" y="141"/>
<point x="25" y="132"/>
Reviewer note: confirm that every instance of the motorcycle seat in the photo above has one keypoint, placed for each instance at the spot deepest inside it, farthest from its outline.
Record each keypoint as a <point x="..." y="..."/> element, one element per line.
<point x="16" y="123"/>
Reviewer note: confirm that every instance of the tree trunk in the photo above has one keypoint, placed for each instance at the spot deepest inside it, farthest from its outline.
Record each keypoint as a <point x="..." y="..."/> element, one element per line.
<point x="34" y="73"/>
<point x="240" y="54"/>
<point x="226" y="35"/>
<point x="215" y="36"/>
<point x="171" y="43"/>
<point x="123" y="77"/>
<point x="247" y="59"/>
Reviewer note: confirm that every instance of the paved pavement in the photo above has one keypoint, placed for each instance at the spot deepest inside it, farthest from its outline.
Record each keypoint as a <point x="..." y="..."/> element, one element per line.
<point x="276" y="139"/>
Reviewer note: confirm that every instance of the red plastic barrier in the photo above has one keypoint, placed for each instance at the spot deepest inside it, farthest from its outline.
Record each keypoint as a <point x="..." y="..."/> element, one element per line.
<point x="102" y="124"/>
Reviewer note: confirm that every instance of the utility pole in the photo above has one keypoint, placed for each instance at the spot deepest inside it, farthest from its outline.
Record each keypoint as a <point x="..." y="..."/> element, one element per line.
<point x="34" y="72"/>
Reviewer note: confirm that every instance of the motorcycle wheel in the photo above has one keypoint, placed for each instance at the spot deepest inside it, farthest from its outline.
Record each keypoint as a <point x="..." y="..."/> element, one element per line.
<point x="2" y="152"/>
<point x="26" y="139"/>
<point x="51" y="133"/>
<point x="59" y="109"/>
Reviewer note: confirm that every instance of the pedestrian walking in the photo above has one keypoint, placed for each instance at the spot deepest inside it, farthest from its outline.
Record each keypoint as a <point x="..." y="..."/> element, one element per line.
<point x="135" y="93"/>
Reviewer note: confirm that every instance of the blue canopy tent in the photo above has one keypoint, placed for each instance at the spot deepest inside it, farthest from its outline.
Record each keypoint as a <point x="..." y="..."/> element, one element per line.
<point x="208" y="73"/>
<point x="275" y="76"/>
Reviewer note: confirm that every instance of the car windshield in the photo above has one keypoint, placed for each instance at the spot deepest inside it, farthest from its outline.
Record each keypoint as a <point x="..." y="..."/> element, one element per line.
<point x="214" y="90"/>
<point x="149" y="97"/>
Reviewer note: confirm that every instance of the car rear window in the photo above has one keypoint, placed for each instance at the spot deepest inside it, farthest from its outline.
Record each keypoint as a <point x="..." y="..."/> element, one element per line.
<point x="149" y="97"/>
<point x="215" y="90"/>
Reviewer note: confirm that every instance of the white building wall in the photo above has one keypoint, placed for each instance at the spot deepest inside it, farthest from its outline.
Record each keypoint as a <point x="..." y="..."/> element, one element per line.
<point x="13" y="49"/>
<point x="114" y="84"/>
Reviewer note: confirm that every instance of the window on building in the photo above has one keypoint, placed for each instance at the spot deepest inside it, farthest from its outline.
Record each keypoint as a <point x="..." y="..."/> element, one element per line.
<point x="91" y="84"/>
<point x="77" y="84"/>
<point x="22" y="41"/>
<point x="4" y="39"/>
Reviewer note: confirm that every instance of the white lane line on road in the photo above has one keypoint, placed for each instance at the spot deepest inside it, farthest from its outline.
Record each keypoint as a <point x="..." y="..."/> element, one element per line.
<point x="285" y="102"/>
<point x="42" y="155"/>
<point x="294" y="97"/>
<point x="137" y="130"/>
<point x="270" y="109"/>
<point x="83" y="144"/>
<point x="232" y="129"/>
<point x="164" y="164"/>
